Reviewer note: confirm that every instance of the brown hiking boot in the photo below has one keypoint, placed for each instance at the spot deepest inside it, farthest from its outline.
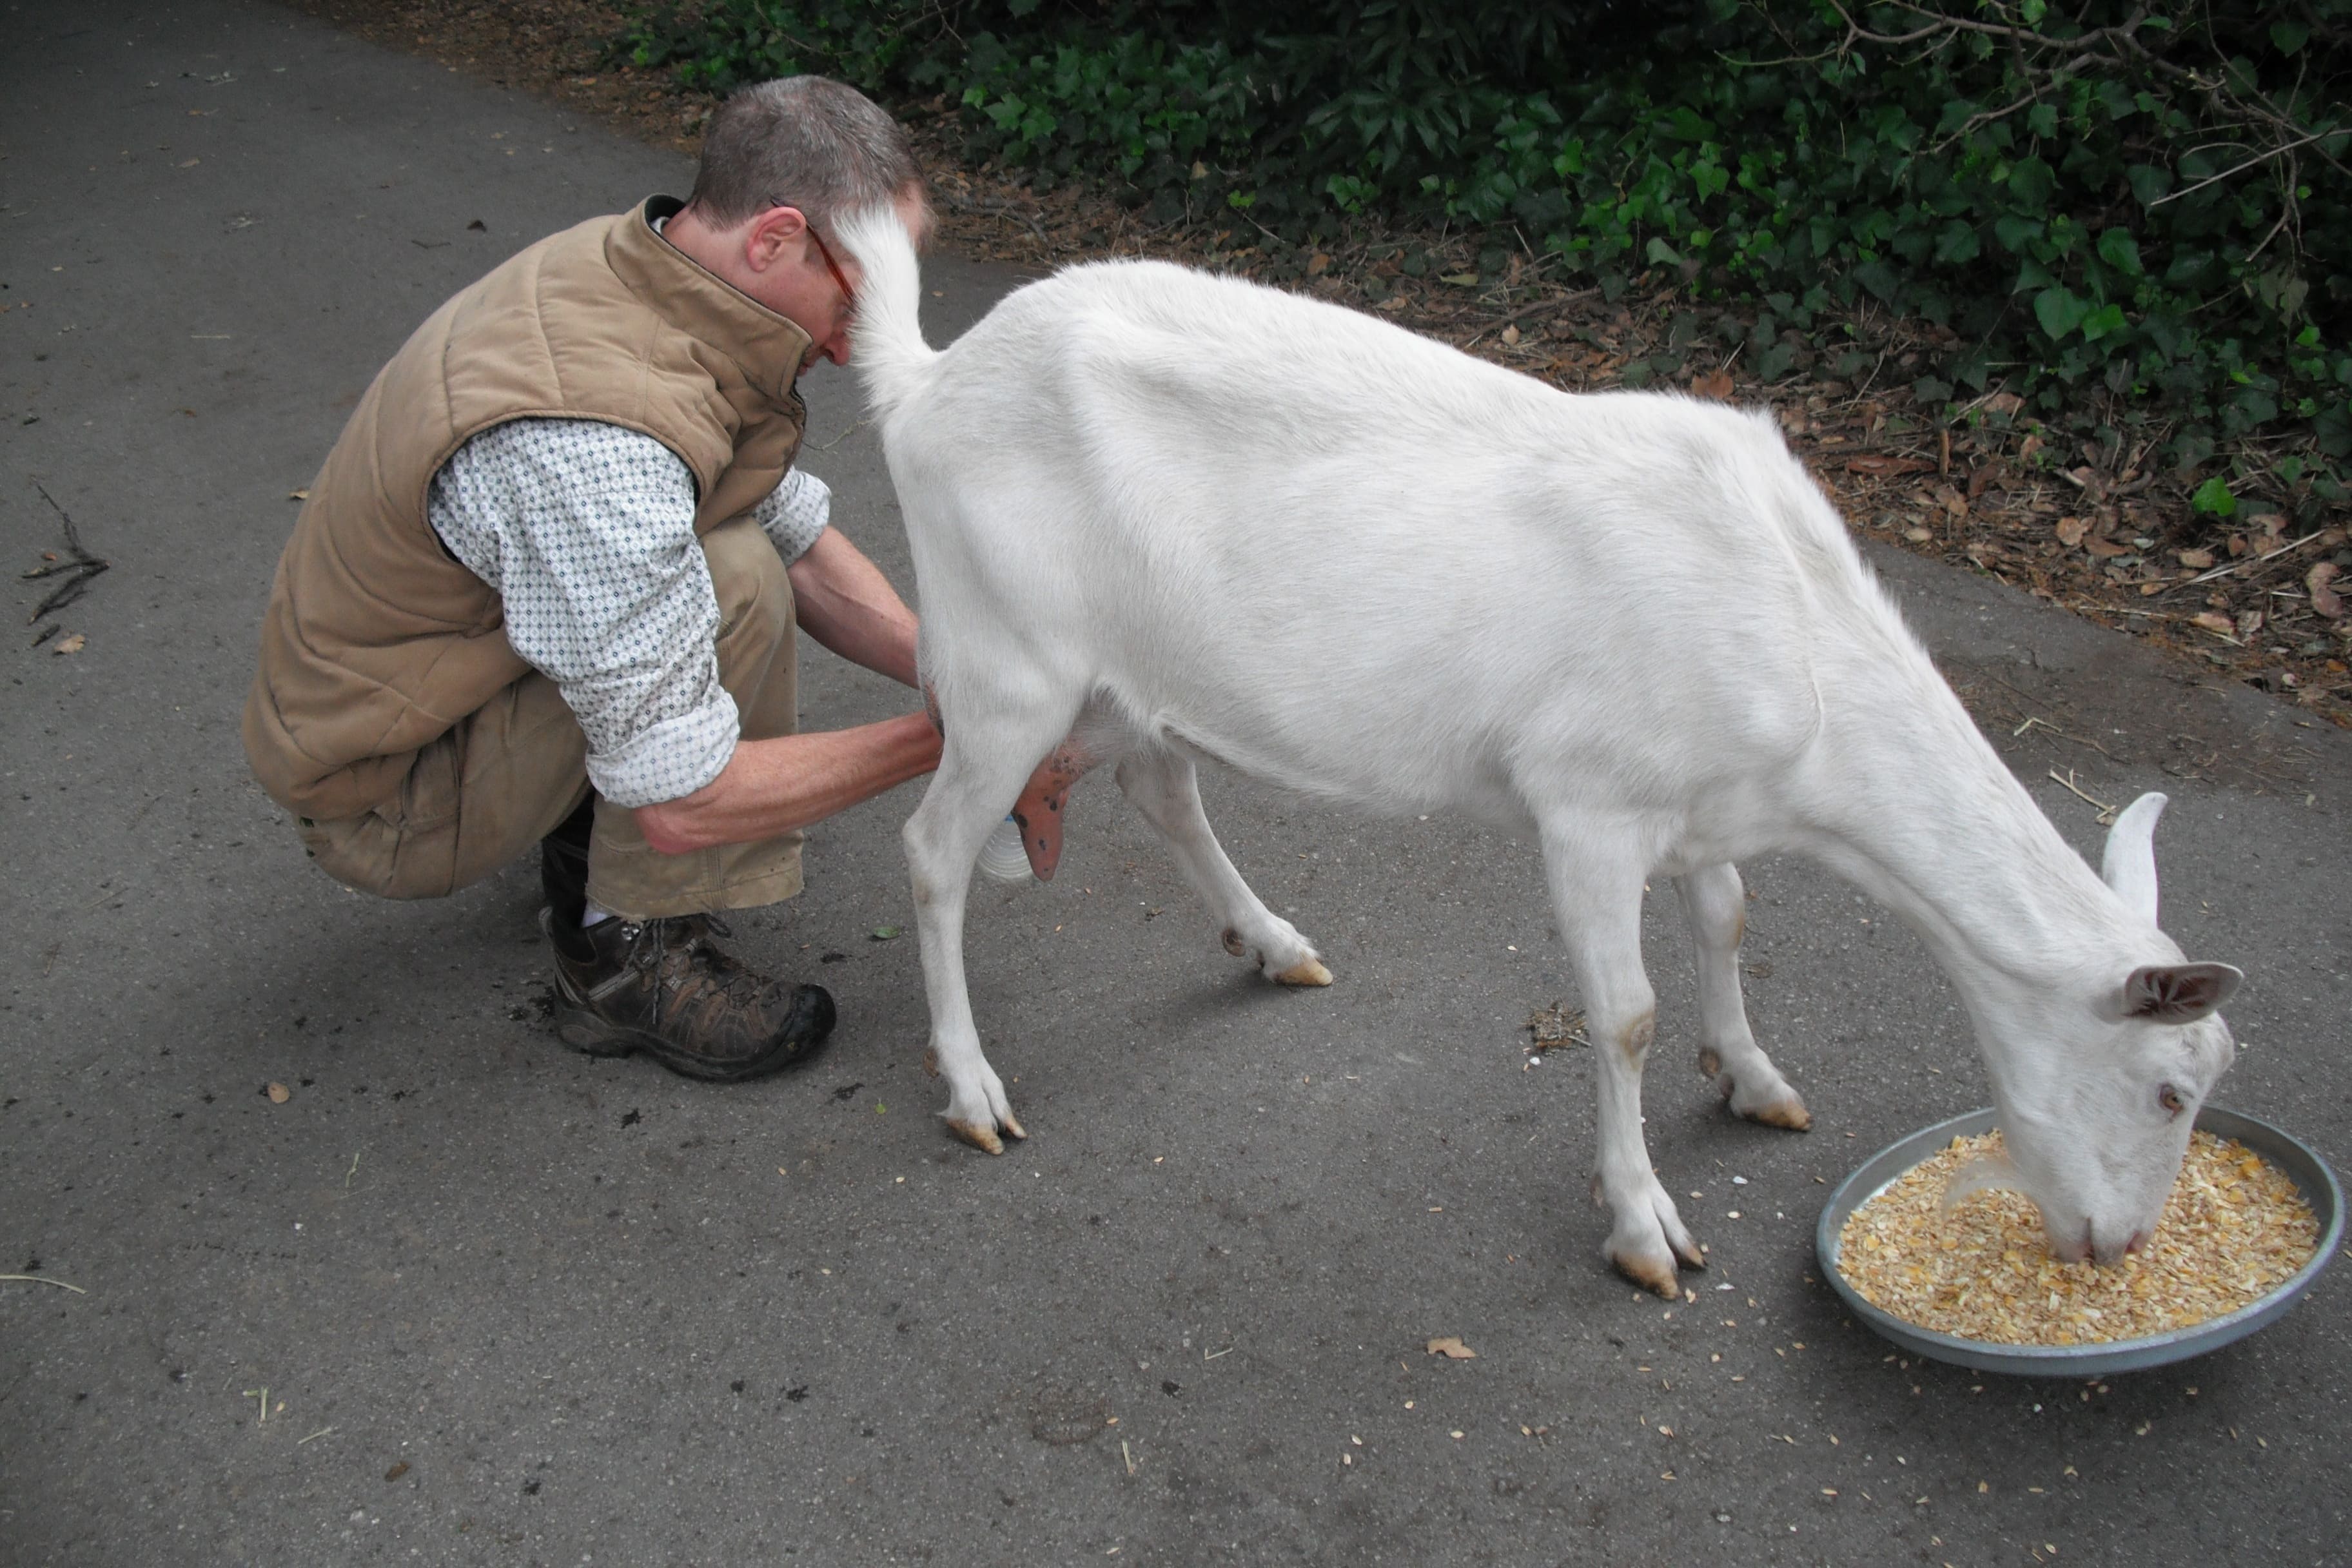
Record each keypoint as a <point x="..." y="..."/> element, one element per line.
<point x="663" y="987"/>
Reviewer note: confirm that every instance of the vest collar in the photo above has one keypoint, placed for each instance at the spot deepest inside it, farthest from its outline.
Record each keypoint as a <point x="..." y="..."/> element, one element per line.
<point x="767" y="346"/>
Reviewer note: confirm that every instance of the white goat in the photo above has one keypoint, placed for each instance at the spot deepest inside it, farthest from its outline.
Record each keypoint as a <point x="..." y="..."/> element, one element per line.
<point x="1174" y="515"/>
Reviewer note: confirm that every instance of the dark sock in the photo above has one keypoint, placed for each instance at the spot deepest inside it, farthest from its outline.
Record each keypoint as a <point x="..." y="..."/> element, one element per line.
<point x="564" y="867"/>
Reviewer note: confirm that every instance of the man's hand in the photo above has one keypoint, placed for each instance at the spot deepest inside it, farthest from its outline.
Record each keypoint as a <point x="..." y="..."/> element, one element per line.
<point x="774" y="786"/>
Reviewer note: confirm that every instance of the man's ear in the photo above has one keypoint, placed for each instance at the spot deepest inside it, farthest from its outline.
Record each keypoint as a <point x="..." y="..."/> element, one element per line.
<point x="771" y="235"/>
<point x="2178" y="993"/>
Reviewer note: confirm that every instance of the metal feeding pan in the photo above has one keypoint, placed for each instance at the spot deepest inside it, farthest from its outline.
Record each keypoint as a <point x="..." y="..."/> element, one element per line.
<point x="2307" y="1171"/>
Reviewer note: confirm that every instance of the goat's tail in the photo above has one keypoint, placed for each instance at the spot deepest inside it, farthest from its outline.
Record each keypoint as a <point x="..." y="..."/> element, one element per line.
<point x="886" y="346"/>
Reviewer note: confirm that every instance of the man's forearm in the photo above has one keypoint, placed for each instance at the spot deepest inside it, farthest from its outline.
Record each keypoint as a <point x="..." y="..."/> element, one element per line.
<point x="842" y="601"/>
<point x="774" y="786"/>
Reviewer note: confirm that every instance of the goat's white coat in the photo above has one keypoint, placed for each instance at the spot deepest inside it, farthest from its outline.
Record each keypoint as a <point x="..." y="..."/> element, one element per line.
<point x="1177" y="514"/>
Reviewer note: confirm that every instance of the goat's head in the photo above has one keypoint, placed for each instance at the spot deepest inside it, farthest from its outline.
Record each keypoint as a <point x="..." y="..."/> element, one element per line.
<point x="2097" y="1112"/>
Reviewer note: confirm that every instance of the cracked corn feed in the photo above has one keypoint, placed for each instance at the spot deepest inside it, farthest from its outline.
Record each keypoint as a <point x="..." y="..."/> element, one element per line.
<point x="2234" y="1228"/>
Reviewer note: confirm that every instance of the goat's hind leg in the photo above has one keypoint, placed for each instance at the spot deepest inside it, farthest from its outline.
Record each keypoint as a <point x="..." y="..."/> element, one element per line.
<point x="1165" y="788"/>
<point x="1716" y="906"/>
<point x="976" y="782"/>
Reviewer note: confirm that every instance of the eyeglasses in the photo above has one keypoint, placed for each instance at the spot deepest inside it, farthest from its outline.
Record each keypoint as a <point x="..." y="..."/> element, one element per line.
<point x="848" y="295"/>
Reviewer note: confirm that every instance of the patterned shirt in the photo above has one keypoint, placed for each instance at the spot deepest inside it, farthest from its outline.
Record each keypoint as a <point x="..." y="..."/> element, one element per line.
<point x="586" y="530"/>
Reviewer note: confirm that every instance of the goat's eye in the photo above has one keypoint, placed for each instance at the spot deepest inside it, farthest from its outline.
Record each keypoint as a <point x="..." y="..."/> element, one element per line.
<point x="2169" y="1098"/>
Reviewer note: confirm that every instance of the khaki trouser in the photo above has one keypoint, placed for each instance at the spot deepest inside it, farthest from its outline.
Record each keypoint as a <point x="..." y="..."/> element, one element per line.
<point x="505" y="777"/>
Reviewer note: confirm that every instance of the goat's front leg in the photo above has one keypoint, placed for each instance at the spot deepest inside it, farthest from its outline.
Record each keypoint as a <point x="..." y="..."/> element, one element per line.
<point x="966" y="799"/>
<point x="1166" y="789"/>
<point x="1716" y="906"/>
<point x="1598" y="898"/>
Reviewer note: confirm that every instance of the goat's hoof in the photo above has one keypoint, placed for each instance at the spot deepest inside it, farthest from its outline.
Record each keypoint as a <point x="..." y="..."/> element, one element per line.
<point x="1653" y="1273"/>
<point x="1693" y="1255"/>
<point x="980" y="1135"/>
<point x="1788" y="1111"/>
<point x="1013" y="1127"/>
<point x="1306" y="971"/>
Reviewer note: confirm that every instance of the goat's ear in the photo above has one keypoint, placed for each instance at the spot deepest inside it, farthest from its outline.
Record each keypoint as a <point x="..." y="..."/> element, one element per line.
<point x="2129" y="863"/>
<point x="2178" y="993"/>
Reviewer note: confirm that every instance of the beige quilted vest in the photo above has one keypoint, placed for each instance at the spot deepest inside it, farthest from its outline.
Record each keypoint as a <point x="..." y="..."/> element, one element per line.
<point x="376" y="640"/>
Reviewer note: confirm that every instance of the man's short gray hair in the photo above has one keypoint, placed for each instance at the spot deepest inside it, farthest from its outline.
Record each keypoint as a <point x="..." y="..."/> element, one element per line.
<point x="804" y="142"/>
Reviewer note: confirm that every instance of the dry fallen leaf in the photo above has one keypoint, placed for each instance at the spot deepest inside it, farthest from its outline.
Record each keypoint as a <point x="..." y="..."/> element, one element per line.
<point x="397" y="1471"/>
<point x="280" y="1094"/>
<point x="72" y="642"/>
<point x="1452" y="1348"/>
<point x="2324" y="599"/>
<point x="298" y="495"/>
<point x="2070" y="530"/>
<point x="2215" y="622"/>
<point x="1715" y="383"/>
<point x="1318" y="264"/>
<point x="191" y="163"/>
<point x="1557" y="1025"/>
<point x="1880" y="463"/>
<point x="2195" y="560"/>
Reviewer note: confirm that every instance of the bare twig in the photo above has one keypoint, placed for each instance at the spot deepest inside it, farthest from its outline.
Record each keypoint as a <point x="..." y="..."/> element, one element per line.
<point x="83" y="566"/>
<point x="1552" y="307"/>
<point x="2066" y="780"/>
<point x="2278" y="152"/>
<point x="2242" y="565"/>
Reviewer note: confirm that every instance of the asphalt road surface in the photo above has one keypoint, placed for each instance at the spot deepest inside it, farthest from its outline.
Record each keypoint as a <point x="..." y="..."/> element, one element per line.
<point x="466" y="1297"/>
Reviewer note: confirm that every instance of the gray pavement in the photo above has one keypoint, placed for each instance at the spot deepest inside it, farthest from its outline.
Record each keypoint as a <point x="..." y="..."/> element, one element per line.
<point x="467" y="1297"/>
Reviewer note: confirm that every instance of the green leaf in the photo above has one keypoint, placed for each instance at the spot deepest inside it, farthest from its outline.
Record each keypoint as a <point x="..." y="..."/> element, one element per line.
<point x="884" y="934"/>
<point x="2106" y="319"/>
<point x="1878" y="277"/>
<point x="2148" y="182"/>
<point x="2016" y="233"/>
<point x="2031" y="182"/>
<point x="2290" y="37"/>
<point x="2213" y="497"/>
<point x="2119" y="250"/>
<point x="1774" y="362"/>
<point x="2059" y="311"/>
<point x="1957" y="242"/>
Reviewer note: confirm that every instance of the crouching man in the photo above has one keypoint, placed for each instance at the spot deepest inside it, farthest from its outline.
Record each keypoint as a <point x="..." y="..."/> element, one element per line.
<point x="545" y="589"/>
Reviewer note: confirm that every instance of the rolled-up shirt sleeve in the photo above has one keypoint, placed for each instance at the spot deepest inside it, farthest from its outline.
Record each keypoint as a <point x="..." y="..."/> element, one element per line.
<point x="795" y="513"/>
<point x="586" y="531"/>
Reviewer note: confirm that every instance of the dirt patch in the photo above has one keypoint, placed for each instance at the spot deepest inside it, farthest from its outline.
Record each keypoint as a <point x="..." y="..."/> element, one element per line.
<point x="2094" y="530"/>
